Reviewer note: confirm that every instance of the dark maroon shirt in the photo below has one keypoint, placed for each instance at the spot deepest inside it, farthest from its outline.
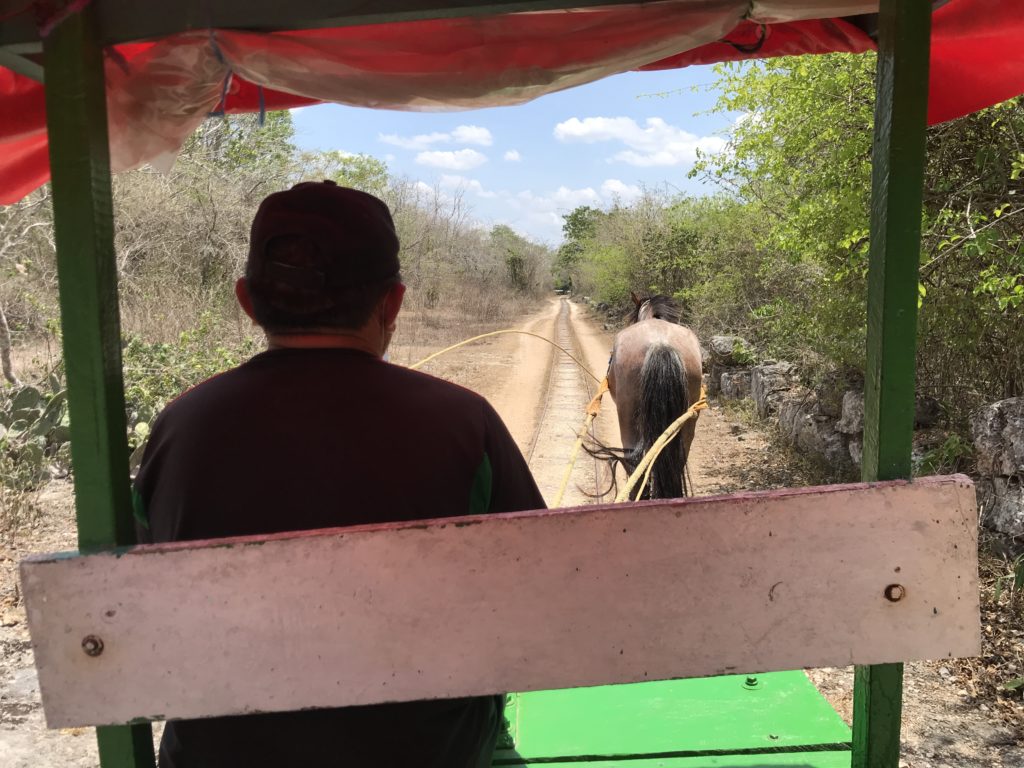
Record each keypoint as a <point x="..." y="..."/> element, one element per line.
<point x="300" y="439"/>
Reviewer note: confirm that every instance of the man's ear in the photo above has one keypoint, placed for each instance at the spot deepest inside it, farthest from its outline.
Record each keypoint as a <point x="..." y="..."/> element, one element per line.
<point x="391" y="304"/>
<point x="244" y="297"/>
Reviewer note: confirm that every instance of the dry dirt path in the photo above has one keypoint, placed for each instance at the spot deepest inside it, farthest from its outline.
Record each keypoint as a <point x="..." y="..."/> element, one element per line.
<point x="541" y="395"/>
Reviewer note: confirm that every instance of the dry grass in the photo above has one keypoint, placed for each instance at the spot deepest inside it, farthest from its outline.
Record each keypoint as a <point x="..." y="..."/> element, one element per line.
<point x="454" y="317"/>
<point x="986" y="678"/>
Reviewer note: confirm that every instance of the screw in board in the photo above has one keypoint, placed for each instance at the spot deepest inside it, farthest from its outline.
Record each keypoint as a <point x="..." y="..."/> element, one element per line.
<point x="751" y="683"/>
<point x="895" y="592"/>
<point x="92" y="645"/>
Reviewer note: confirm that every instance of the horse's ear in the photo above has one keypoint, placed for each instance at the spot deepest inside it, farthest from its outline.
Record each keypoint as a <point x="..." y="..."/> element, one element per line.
<point x="635" y="298"/>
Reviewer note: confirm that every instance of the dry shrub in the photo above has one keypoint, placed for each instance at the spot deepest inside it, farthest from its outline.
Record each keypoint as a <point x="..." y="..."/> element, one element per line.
<point x="997" y="675"/>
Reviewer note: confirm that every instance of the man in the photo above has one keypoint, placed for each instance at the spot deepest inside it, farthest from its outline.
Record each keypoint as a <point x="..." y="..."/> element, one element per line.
<point x="318" y="432"/>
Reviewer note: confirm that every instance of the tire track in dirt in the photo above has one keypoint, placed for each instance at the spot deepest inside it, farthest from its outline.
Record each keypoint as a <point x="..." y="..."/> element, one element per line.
<point x="542" y="396"/>
<point x="562" y="413"/>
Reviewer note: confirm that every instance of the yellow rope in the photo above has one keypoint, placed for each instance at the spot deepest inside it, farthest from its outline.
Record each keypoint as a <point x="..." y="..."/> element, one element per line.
<point x="593" y="409"/>
<point x="575" y="359"/>
<point x="643" y="468"/>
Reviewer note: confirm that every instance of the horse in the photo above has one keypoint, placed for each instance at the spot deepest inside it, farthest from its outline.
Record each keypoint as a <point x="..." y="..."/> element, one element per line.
<point x="654" y="376"/>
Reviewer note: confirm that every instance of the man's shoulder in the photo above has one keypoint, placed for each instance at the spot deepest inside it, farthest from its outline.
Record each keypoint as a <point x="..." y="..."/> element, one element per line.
<point x="437" y="394"/>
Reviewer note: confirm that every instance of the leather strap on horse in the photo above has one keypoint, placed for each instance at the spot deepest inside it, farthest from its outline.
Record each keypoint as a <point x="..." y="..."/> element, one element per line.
<point x="593" y="409"/>
<point x="643" y="469"/>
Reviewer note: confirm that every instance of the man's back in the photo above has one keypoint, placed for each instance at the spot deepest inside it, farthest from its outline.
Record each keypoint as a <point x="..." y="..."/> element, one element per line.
<point x="300" y="439"/>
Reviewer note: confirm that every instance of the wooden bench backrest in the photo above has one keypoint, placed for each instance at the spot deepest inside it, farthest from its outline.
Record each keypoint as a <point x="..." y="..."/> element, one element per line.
<point x="829" y="576"/>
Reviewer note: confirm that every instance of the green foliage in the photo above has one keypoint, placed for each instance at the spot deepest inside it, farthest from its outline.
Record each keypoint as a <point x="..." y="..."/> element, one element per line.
<point x="781" y="256"/>
<point x="972" y="261"/>
<point x="363" y="172"/>
<point x="155" y="373"/>
<point x="238" y="143"/>
<point x="1011" y="582"/>
<point x="951" y="456"/>
<point x="742" y="354"/>
<point x="34" y="435"/>
<point x="520" y="257"/>
<point x="579" y="229"/>
<point x="801" y="159"/>
<point x="605" y="275"/>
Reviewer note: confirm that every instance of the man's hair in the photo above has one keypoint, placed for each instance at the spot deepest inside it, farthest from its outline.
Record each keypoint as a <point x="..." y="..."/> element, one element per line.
<point x="290" y="297"/>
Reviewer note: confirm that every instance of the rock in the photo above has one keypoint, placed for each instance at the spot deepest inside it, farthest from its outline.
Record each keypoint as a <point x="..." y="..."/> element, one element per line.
<point x="830" y="393"/>
<point x="1001" y="500"/>
<point x="705" y="358"/>
<point x="810" y="431"/>
<point x="856" y="448"/>
<point x="768" y="384"/>
<point x="730" y="350"/>
<point x="998" y="433"/>
<point x="851" y="421"/>
<point x="792" y="411"/>
<point x="735" y="383"/>
<point x="714" y="379"/>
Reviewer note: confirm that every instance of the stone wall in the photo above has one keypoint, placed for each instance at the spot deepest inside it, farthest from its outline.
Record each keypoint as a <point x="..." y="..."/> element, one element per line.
<point x="998" y="433"/>
<point x="829" y="424"/>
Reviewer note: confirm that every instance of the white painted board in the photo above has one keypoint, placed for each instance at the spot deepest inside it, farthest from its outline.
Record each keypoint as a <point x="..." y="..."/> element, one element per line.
<point x="524" y="601"/>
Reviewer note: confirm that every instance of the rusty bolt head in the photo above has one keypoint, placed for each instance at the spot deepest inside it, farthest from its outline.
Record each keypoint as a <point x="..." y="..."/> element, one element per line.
<point x="895" y="592"/>
<point x="92" y="645"/>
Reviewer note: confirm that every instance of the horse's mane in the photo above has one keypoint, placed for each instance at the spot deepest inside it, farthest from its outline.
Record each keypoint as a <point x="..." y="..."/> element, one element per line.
<point x="662" y="308"/>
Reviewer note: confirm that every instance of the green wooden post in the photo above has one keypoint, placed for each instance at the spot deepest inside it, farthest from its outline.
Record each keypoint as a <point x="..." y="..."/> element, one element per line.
<point x="897" y="179"/>
<point x="76" y="113"/>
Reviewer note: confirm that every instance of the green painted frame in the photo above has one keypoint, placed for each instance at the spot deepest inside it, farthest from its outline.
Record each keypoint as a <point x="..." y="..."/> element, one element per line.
<point x="79" y="155"/>
<point x="76" y="111"/>
<point x="901" y="105"/>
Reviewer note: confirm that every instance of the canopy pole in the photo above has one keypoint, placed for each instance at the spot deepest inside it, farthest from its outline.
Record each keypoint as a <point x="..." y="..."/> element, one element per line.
<point x="898" y="154"/>
<point x="76" y="113"/>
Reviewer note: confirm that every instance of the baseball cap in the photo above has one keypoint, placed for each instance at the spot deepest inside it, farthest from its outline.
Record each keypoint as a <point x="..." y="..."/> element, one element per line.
<point x="318" y="238"/>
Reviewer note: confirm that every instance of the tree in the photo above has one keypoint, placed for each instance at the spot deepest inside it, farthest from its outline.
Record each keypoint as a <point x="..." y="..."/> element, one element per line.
<point x="800" y="156"/>
<point x="363" y="172"/>
<point x="522" y="258"/>
<point x="241" y="144"/>
<point x="579" y="227"/>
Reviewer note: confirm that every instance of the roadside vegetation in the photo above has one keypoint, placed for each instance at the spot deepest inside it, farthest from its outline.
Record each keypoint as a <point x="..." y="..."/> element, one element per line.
<point x="779" y="254"/>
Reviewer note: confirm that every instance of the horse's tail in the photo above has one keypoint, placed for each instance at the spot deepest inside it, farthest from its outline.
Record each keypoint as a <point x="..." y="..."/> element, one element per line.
<point x="663" y="399"/>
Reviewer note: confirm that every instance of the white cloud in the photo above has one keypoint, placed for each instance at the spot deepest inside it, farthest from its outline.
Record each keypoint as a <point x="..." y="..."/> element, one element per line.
<point x="463" y="134"/>
<point x="472" y="134"/>
<point x="613" y="189"/>
<point x="449" y="181"/>
<point x="656" y="143"/>
<point x="459" y="160"/>
<point x="419" y="142"/>
<point x="513" y="156"/>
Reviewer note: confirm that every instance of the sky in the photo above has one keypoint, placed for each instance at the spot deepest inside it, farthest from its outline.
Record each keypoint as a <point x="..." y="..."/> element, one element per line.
<point x="526" y="166"/>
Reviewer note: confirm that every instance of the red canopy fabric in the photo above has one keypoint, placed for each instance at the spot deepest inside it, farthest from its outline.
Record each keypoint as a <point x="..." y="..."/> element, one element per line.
<point x="158" y="92"/>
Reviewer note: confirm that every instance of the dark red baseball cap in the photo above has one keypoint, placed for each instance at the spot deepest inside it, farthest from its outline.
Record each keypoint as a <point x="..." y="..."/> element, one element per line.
<point x="345" y="238"/>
